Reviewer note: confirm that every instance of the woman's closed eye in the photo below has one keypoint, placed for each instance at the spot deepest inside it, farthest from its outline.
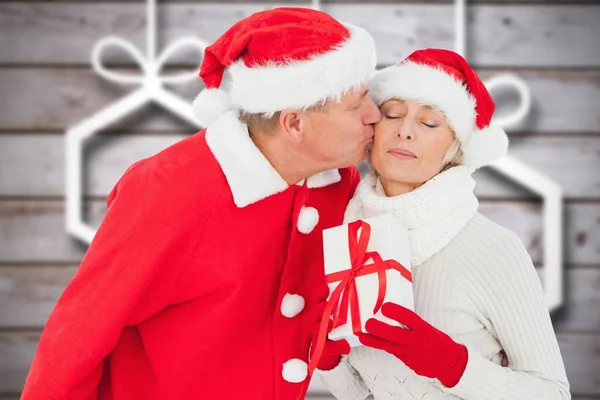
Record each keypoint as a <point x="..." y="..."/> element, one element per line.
<point x="392" y="116"/>
<point x="430" y="124"/>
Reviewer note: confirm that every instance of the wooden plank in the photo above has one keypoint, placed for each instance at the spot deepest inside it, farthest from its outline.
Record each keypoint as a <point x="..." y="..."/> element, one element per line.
<point x="28" y="295"/>
<point x="507" y="35"/>
<point x="578" y="352"/>
<point x="33" y="231"/>
<point x="34" y="165"/>
<point x="40" y="164"/>
<point x="16" y="353"/>
<point x="56" y="98"/>
<point x="582" y="301"/>
<point x="39" y="167"/>
<point x="549" y="114"/>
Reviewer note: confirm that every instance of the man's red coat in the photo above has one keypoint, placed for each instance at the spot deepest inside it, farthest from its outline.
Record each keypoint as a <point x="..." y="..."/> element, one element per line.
<point x="179" y="295"/>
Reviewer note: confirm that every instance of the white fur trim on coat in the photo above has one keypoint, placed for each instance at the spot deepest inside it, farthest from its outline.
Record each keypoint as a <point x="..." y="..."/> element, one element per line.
<point x="249" y="174"/>
<point x="427" y="85"/>
<point x="292" y="305"/>
<point x="306" y="83"/>
<point x="308" y="218"/>
<point x="294" y="370"/>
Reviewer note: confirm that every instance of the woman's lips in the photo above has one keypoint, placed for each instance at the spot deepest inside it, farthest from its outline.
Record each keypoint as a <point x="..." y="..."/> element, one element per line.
<point x="402" y="153"/>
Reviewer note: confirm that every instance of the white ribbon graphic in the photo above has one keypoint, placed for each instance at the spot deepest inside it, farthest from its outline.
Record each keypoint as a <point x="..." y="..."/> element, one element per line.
<point x="151" y="83"/>
<point x="150" y="69"/>
<point x="524" y="175"/>
<point x="517" y="171"/>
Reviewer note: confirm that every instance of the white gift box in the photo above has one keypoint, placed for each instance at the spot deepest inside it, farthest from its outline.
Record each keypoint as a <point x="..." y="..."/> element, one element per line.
<point x="389" y="238"/>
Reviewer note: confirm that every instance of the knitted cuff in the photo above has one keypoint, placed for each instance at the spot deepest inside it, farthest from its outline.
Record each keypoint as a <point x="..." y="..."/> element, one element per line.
<point x="456" y="362"/>
<point x="328" y="362"/>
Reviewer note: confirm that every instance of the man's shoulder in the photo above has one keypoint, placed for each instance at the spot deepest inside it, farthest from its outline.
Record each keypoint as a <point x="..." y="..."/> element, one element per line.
<point x="185" y="173"/>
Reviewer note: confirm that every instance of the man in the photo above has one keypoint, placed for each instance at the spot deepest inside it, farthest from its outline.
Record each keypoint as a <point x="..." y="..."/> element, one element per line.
<point x="203" y="279"/>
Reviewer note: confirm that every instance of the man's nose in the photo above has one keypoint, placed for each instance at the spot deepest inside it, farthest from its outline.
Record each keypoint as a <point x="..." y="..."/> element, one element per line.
<point x="372" y="114"/>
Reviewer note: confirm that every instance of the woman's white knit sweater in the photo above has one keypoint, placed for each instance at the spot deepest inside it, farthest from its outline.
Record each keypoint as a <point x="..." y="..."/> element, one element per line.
<point x="479" y="286"/>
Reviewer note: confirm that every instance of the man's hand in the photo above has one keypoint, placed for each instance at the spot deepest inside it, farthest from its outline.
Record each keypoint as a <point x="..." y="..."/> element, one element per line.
<point x="333" y="350"/>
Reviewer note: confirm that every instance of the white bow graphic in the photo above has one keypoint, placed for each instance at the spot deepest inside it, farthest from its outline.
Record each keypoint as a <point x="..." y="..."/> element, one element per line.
<point x="151" y="89"/>
<point x="520" y="172"/>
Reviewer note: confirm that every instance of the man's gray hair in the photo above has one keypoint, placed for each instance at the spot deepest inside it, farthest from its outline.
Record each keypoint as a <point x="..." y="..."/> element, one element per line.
<point x="267" y="122"/>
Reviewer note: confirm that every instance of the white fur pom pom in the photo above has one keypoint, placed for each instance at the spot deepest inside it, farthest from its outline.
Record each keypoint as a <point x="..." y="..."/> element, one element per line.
<point x="210" y="104"/>
<point x="295" y="370"/>
<point x="292" y="305"/>
<point x="307" y="219"/>
<point x="484" y="147"/>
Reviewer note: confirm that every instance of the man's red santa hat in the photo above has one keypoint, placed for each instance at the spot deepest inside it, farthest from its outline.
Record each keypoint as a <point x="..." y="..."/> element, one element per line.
<point x="444" y="80"/>
<point x="283" y="58"/>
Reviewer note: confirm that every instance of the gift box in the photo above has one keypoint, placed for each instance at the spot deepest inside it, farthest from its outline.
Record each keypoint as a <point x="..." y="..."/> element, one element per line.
<point x="367" y="264"/>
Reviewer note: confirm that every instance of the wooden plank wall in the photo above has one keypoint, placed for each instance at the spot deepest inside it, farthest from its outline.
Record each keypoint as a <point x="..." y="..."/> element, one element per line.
<point x="46" y="85"/>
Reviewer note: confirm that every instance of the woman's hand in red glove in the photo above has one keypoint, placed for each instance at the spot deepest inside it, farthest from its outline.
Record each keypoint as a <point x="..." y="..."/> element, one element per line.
<point x="423" y="348"/>
<point x="333" y="349"/>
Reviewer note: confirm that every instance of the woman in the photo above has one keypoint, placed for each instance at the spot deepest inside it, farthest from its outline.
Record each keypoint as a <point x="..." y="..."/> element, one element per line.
<point x="476" y="291"/>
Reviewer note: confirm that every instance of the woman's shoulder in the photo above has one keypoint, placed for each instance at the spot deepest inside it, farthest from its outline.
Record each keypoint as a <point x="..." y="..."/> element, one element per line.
<point x="486" y="245"/>
<point x="487" y="234"/>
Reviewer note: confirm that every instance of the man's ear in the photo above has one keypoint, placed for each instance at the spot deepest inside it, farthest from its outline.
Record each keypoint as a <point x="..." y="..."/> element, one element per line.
<point x="292" y="122"/>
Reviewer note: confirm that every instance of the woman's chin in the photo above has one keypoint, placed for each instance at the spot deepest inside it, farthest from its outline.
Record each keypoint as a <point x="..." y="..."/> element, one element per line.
<point x="399" y="172"/>
<point x="395" y="176"/>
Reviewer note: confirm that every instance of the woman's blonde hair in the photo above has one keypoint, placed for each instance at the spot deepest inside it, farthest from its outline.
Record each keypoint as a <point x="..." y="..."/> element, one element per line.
<point x="453" y="156"/>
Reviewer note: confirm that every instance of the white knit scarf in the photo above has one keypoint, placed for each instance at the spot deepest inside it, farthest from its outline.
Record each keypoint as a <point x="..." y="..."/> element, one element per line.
<point x="434" y="213"/>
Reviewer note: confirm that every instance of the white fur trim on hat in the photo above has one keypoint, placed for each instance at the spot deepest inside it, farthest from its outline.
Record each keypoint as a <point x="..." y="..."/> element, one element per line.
<point x="294" y="370"/>
<point x="210" y="104"/>
<point x="308" y="218"/>
<point x="485" y="146"/>
<point x="427" y="85"/>
<point x="292" y="305"/>
<point x="302" y="84"/>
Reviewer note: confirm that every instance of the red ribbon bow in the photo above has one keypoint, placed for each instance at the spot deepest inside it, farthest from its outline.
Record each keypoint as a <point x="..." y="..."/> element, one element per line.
<point x="345" y="295"/>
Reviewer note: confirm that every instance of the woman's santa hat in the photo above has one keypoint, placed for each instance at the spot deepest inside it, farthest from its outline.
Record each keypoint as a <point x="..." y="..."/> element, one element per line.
<point x="283" y="58"/>
<point x="444" y="80"/>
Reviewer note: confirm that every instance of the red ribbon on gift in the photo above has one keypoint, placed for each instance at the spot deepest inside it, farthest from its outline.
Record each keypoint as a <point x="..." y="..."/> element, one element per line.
<point x="345" y="295"/>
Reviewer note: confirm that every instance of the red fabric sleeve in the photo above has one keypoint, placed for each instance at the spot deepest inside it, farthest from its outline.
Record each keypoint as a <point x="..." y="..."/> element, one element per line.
<point x="127" y="275"/>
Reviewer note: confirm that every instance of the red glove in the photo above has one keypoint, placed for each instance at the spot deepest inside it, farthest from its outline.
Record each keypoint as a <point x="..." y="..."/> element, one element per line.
<point x="333" y="350"/>
<point x="423" y="348"/>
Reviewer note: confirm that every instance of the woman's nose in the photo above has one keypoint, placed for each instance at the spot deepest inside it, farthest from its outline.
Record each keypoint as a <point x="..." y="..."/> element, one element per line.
<point x="405" y="130"/>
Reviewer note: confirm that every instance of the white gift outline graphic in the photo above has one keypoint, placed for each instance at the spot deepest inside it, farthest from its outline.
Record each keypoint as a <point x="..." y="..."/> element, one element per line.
<point x="151" y="90"/>
<point x="150" y="82"/>
<point x="550" y="192"/>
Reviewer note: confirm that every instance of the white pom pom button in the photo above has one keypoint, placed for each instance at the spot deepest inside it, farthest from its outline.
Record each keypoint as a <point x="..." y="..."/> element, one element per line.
<point x="308" y="218"/>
